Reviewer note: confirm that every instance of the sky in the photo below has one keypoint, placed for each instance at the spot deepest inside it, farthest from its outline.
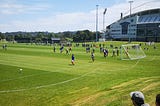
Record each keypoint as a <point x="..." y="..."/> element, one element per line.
<point x="65" y="15"/>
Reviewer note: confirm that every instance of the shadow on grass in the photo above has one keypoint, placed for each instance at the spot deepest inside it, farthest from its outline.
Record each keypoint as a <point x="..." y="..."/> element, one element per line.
<point x="90" y="62"/>
<point x="71" y="64"/>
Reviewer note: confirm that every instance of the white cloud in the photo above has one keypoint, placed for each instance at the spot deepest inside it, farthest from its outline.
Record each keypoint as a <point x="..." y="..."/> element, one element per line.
<point x="10" y="8"/>
<point x="77" y="21"/>
<point x="59" y="22"/>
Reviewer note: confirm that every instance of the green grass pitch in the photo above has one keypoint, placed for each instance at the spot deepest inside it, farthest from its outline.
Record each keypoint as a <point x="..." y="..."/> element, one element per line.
<point x="49" y="79"/>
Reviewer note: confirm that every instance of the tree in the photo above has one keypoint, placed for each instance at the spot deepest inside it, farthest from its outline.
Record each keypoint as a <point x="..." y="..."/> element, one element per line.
<point x="83" y="36"/>
<point x="2" y="36"/>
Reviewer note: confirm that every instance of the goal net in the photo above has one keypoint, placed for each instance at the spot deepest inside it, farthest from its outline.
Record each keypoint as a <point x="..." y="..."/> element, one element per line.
<point x="131" y="52"/>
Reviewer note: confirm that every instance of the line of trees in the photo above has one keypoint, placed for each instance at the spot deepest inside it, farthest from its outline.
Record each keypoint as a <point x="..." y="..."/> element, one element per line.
<point x="30" y="37"/>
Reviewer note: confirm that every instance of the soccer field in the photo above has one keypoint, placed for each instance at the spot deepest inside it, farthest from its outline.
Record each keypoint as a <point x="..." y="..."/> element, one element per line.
<point x="35" y="75"/>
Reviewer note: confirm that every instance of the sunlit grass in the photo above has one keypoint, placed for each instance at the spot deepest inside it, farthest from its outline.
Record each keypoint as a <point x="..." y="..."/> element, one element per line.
<point x="48" y="78"/>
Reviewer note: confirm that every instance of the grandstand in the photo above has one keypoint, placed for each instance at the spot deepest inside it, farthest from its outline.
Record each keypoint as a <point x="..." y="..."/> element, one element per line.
<point x="140" y="26"/>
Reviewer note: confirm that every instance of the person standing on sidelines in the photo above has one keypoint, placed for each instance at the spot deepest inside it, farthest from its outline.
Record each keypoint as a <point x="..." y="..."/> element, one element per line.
<point x="4" y="47"/>
<point x="113" y="53"/>
<point x="158" y="100"/>
<point x="137" y="98"/>
<point x="73" y="59"/>
<point x="54" y="49"/>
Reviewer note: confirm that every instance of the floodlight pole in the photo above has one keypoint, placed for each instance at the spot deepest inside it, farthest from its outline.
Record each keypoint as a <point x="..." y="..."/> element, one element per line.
<point x="97" y="23"/>
<point x="130" y="2"/>
<point x="104" y="21"/>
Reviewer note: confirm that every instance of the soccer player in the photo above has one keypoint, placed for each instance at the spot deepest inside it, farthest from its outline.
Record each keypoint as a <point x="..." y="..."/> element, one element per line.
<point x="105" y="53"/>
<point x="73" y="59"/>
<point x="92" y="56"/>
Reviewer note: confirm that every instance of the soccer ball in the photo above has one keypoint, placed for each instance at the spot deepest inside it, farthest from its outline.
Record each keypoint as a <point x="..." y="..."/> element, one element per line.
<point x="20" y="70"/>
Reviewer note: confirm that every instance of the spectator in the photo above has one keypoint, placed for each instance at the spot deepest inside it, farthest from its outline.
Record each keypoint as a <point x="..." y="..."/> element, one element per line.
<point x="54" y="49"/>
<point x="113" y="53"/>
<point x="67" y="51"/>
<point x="117" y="51"/>
<point x="70" y="49"/>
<point x="158" y="100"/>
<point x="4" y="46"/>
<point x="93" y="50"/>
<point x="137" y="98"/>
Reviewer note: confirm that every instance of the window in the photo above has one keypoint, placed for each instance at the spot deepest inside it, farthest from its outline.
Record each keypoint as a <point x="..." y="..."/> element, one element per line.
<point x="153" y="18"/>
<point x="133" y="25"/>
<point x="150" y="18"/>
<point x="124" y="27"/>
<point x="140" y="19"/>
<point x="146" y="18"/>
<point x="132" y="20"/>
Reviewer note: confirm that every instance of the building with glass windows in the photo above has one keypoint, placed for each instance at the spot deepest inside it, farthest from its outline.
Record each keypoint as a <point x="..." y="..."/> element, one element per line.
<point x="141" y="26"/>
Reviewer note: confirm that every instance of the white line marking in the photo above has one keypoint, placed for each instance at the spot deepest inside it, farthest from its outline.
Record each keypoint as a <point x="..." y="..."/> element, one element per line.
<point x="39" y="74"/>
<point x="54" y="84"/>
<point x="24" y="76"/>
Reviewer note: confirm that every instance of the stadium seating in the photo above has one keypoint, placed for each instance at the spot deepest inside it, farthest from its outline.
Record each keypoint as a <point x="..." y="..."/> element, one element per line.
<point x="149" y="18"/>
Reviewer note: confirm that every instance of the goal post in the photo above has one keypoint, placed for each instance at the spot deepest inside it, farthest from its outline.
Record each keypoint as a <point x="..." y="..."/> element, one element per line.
<point x="131" y="52"/>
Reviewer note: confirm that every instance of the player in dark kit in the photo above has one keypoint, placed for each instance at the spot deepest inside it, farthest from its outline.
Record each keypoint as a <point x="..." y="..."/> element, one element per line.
<point x="73" y="59"/>
<point x="92" y="56"/>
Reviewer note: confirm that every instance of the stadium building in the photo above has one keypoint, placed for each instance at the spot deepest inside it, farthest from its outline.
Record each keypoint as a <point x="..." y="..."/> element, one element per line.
<point x="140" y="26"/>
